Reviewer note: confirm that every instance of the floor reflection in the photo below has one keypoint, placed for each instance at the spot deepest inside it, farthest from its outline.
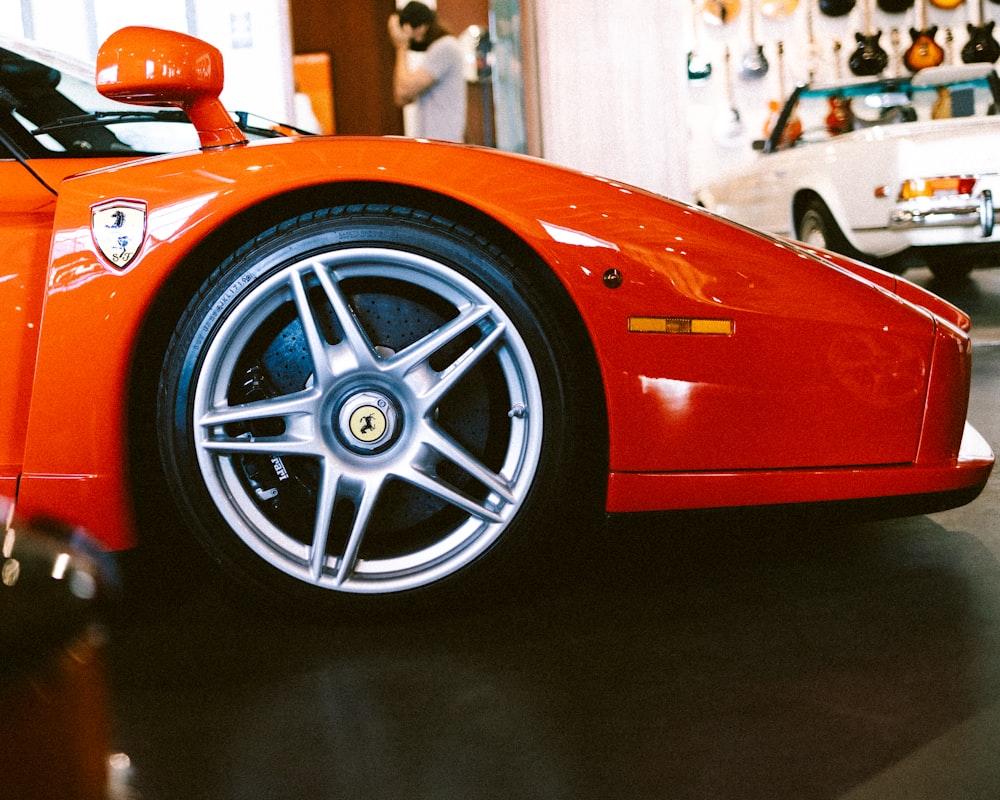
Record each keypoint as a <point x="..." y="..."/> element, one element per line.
<point x="701" y="656"/>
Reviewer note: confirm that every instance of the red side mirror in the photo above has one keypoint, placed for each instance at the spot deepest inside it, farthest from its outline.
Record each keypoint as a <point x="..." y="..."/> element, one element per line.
<point x="149" y="66"/>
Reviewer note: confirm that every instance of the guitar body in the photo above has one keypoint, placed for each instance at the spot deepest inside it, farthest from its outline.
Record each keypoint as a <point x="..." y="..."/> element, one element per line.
<point x="754" y="63"/>
<point x="894" y="6"/>
<point x="728" y="128"/>
<point x="840" y="119"/>
<point x="838" y="8"/>
<point x="778" y="9"/>
<point x="699" y="68"/>
<point x="981" y="47"/>
<point x="924" y="52"/>
<point x="947" y="5"/>
<point x="720" y="12"/>
<point x="869" y="58"/>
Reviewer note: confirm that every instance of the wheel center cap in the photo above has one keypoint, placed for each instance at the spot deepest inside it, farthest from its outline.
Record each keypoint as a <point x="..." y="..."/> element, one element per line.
<point x="367" y="422"/>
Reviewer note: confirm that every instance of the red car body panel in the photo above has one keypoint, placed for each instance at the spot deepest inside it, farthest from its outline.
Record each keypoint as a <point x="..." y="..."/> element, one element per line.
<point x="814" y="379"/>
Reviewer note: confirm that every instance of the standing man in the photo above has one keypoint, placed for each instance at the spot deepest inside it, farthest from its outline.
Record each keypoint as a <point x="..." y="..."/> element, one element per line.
<point x="437" y="85"/>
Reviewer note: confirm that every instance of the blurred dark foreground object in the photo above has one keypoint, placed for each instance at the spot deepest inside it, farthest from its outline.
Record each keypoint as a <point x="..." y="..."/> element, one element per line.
<point x="55" y="727"/>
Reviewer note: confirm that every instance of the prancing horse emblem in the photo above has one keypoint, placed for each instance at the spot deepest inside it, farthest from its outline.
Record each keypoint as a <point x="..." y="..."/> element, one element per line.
<point x="368" y="423"/>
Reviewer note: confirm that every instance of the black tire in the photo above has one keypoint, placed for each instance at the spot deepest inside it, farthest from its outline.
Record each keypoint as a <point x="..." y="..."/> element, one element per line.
<point x="373" y="403"/>
<point x="816" y="227"/>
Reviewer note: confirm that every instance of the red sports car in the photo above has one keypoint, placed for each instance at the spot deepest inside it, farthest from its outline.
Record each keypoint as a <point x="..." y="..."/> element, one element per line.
<point x="374" y="367"/>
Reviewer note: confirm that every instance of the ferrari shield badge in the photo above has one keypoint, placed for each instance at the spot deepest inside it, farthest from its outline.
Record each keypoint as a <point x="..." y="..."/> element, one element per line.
<point x="119" y="227"/>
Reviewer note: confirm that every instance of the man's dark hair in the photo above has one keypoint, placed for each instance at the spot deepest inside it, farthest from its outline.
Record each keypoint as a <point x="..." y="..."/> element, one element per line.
<point x="416" y="14"/>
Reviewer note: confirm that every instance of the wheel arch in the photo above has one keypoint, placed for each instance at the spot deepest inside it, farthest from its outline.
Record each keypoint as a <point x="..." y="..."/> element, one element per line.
<point x="168" y="304"/>
<point x="805" y="195"/>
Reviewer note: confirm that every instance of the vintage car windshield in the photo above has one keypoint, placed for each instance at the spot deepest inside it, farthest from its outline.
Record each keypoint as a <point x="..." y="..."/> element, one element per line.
<point x="817" y="112"/>
<point x="50" y="107"/>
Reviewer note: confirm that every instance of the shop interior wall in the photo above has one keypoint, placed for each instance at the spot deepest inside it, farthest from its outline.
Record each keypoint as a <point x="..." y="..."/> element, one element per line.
<point x="353" y="32"/>
<point x="612" y="89"/>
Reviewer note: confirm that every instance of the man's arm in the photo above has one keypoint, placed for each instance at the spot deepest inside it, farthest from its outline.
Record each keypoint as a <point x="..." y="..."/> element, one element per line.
<point x="407" y="84"/>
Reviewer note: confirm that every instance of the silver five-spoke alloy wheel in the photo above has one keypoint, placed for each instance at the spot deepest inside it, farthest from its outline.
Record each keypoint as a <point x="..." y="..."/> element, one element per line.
<point x="367" y="404"/>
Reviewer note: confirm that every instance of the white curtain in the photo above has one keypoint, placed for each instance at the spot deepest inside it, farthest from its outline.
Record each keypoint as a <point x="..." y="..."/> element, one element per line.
<point x="612" y="89"/>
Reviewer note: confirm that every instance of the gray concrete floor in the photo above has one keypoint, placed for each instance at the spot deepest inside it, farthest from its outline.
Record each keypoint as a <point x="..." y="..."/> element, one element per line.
<point x="781" y="658"/>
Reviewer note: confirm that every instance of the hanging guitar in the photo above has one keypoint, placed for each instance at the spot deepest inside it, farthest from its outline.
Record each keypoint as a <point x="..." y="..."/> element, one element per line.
<point x="897" y="53"/>
<point x="699" y="68"/>
<point x="924" y="52"/>
<point x="981" y="47"/>
<point x="840" y="118"/>
<point x="720" y="12"/>
<point x="942" y="106"/>
<point x="729" y="125"/>
<point x="792" y="129"/>
<point x="947" y="5"/>
<point x="838" y="8"/>
<point x="815" y="60"/>
<point x="754" y="61"/>
<point x="894" y="6"/>
<point x="869" y="58"/>
<point x="778" y="9"/>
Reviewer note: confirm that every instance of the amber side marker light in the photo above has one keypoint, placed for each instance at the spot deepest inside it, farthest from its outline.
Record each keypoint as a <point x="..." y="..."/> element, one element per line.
<point x="718" y="327"/>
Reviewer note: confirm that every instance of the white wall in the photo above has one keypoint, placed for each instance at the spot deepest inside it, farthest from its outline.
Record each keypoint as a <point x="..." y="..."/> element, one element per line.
<point x="610" y="76"/>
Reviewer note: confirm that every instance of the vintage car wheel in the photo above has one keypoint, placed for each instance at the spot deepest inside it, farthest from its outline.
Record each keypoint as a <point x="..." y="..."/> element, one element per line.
<point x="366" y="402"/>
<point x="816" y="227"/>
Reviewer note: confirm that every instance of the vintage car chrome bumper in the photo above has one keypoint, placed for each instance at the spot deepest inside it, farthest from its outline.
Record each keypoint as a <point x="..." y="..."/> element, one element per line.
<point x="958" y="211"/>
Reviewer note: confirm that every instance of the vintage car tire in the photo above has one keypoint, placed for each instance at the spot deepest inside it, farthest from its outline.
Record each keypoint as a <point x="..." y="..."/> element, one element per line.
<point x="397" y="469"/>
<point x="817" y="227"/>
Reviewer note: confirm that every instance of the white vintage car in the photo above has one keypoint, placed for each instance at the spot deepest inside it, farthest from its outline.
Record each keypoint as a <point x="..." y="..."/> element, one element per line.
<point x="899" y="172"/>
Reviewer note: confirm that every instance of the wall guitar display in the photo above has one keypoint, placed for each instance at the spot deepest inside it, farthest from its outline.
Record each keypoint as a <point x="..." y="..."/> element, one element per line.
<point x="825" y="57"/>
<point x="870" y="58"/>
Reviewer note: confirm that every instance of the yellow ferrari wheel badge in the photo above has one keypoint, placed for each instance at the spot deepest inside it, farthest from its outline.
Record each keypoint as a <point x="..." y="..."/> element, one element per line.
<point x="368" y="424"/>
